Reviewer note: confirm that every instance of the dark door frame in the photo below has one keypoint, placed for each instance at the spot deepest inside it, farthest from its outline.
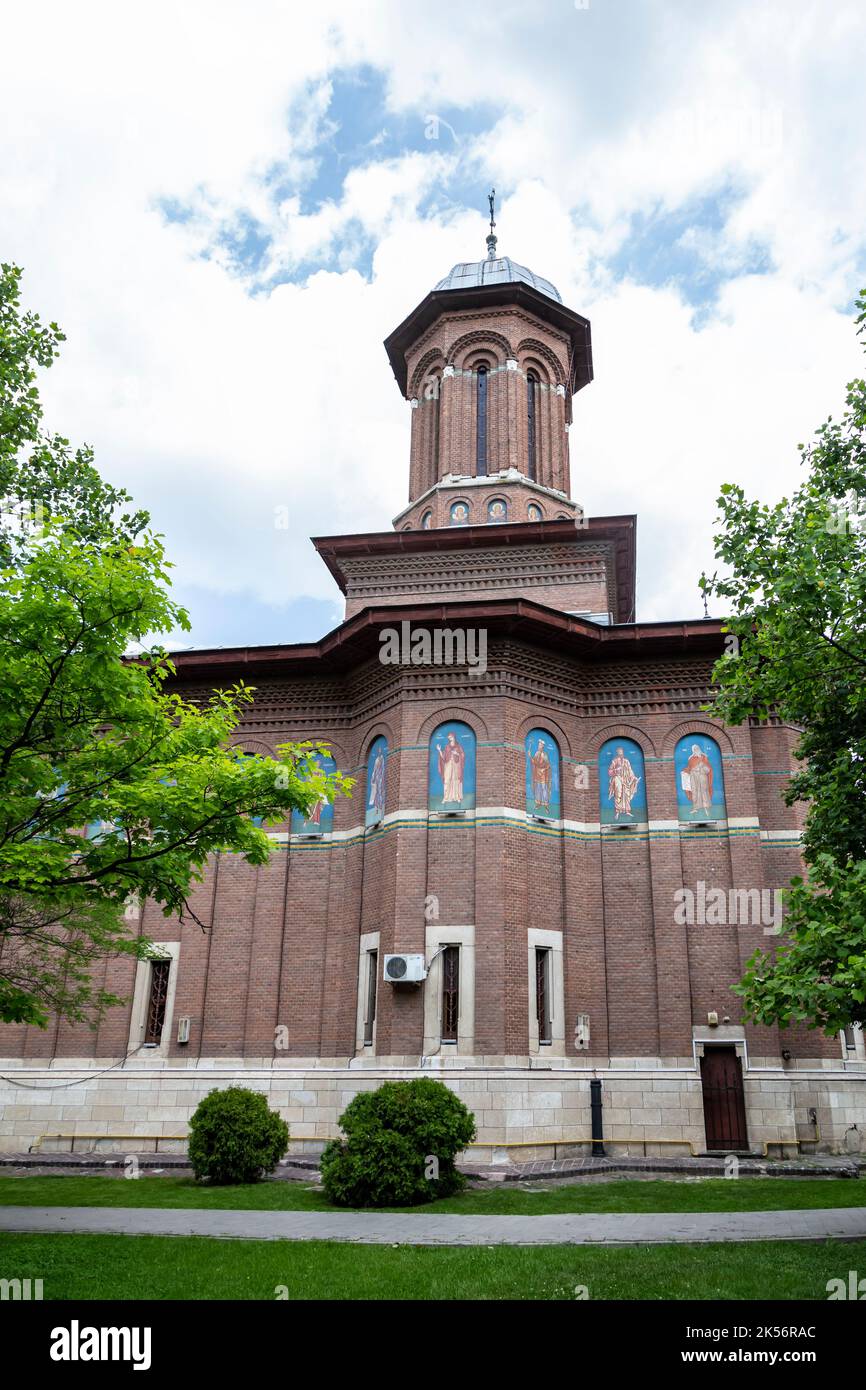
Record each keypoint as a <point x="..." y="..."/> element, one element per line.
<point x="724" y="1105"/>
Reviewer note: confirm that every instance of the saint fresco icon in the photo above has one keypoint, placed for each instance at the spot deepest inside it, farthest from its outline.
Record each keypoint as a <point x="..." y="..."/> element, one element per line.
<point x="622" y="782"/>
<point x="700" y="779"/>
<point x="459" y="514"/>
<point x="534" y="512"/>
<point x="497" y="510"/>
<point x="320" y="820"/>
<point x="542" y="774"/>
<point x="451" y="785"/>
<point x="376" y="781"/>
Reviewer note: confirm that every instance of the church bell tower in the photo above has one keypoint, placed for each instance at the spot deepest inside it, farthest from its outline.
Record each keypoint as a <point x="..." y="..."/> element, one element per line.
<point x="489" y="362"/>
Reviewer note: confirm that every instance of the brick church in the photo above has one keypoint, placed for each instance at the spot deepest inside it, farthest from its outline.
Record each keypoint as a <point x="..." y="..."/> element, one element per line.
<point x="554" y="864"/>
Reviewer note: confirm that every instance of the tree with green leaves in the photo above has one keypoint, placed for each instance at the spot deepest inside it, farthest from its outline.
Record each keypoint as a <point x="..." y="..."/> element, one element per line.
<point x="795" y="587"/>
<point x="113" y="788"/>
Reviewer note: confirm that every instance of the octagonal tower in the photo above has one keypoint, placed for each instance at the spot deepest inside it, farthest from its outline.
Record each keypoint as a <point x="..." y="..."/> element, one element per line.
<point x="489" y="362"/>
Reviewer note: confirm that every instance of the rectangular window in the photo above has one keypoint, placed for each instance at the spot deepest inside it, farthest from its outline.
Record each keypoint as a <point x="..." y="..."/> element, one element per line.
<point x="542" y="993"/>
<point x="159" y="973"/>
<point x="372" y="984"/>
<point x="450" y="993"/>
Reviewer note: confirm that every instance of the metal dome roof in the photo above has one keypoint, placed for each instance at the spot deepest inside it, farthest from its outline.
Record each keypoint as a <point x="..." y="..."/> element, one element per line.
<point x="501" y="270"/>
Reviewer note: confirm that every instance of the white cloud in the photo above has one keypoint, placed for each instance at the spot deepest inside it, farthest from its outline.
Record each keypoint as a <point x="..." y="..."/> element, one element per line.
<point x="216" y="405"/>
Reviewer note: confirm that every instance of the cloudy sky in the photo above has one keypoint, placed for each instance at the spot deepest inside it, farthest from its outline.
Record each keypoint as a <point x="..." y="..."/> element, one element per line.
<point x="228" y="206"/>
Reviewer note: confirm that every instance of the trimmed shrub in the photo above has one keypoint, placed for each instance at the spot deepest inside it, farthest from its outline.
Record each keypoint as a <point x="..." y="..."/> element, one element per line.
<point x="400" y="1145"/>
<point x="235" y="1137"/>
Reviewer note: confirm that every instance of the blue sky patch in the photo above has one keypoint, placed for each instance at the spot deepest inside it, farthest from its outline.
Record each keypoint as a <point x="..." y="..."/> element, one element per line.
<point x="682" y="247"/>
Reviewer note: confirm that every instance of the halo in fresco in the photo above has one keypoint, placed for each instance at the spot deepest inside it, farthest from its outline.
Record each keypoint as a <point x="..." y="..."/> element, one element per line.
<point x="321" y="818"/>
<point x="542" y="774"/>
<point x="377" y="781"/>
<point x="622" y="782"/>
<point x="700" y="779"/>
<point x="451" y="780"/>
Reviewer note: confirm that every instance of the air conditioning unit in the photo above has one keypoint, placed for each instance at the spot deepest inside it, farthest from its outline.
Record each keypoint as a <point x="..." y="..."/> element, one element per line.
<point x="405" y="970"/>
<point x="183" y="1030"/>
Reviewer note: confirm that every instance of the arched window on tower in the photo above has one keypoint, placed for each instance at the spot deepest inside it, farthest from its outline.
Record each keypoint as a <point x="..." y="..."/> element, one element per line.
<point x="531" y="424"/>
<point x="434" y="429"/>
<point x="481" y="424"/>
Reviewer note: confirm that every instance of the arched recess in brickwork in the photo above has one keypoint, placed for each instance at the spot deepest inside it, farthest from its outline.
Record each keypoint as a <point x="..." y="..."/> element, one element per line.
<point x="448" y="711"/>
<point x="452" y="767"/>
<point x="381" y="729"/>
<point x="532" y="367"/>
<point x="256" y="748"/>
<point x="697" y="726"/>
<point x="532" y="353"/>
<point x="430" y="365"/>
<point x="374" y="780"/>
<point x="542" y="768"/>
<point x="540" y="721"/>
<point x="699" y="778"/>
<point x="479" y="341"/>
<point x="254" y="745"/>
<point x="480" y="357"/>
<point x="343" y="805"/>
<point x="338" y="750"/>
<point x="626" y="730"/>
<point x="622" y="786"/>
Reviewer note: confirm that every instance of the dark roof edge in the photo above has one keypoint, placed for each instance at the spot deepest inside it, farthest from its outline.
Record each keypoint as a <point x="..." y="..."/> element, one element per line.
<point x="622" y="530"/>
<point x="357" y="638"/>
<point x="511" y="291"/>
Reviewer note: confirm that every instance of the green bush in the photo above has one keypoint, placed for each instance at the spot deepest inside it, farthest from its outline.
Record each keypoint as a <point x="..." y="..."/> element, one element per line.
<point x="400" y="1145"/>
<point x="234" y="1137"/>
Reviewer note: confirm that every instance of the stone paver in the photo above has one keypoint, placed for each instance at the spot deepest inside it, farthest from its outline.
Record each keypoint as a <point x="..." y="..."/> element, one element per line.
<point x="380" y="1228"/>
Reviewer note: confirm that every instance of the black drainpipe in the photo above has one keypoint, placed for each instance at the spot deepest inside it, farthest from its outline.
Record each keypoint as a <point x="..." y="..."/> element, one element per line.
<point x="597" y="1128"/>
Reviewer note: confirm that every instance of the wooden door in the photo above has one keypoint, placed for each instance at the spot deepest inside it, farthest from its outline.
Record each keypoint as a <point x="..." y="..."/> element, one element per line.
<point x="724" y="1106"/>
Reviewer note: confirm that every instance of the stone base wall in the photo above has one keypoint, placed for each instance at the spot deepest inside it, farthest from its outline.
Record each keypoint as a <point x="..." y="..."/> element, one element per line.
<point x="650" y="1105"/>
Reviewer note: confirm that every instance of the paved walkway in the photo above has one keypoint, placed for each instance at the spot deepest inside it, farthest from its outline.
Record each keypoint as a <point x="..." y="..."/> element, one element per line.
<point x="380" y="1228"/>
<point x="577" y="1165"/>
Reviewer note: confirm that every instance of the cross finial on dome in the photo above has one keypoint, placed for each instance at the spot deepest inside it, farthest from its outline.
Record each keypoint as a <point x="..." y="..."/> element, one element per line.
<point x="491" y="238"/>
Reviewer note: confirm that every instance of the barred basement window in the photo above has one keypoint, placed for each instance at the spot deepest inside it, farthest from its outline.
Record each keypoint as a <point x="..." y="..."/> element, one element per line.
<point x="159" y="973"/>
<point x="450" y="993"/>
<point x="542" y="993"/>
<point x="481" y="425"/>
<point x="372" y="981"/>
<point x="531" y="424"/>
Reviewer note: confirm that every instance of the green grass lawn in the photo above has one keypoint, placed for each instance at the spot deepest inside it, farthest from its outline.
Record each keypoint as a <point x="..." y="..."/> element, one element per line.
<point x="173" y="1267"/>
<point x="702" y="1194"/>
